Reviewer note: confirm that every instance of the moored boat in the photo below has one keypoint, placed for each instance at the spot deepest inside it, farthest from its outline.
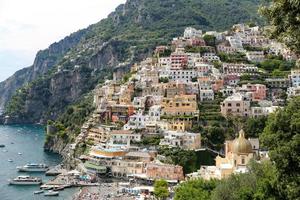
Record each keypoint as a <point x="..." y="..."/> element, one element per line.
<point x="2" y="145"/>
<point x="38" y="192"/>
<point x="25" y="180"/>
<point x="51" y="193"/>
<point x="31" y="167"/>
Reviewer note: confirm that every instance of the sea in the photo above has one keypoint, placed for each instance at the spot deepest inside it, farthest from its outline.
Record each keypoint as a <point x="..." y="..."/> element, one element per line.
<point x="24" y="144"/>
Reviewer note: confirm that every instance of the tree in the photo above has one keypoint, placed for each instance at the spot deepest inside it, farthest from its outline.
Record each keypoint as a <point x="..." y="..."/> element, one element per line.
<point x="195" y="190"/>
<point x="260" y="184"/>
<point x="161" y="190"/>
<point x="210" y="40"/>
<point x="282" y="137"/>
<point x="255" y="126"/>
<point x="283" y="15"/>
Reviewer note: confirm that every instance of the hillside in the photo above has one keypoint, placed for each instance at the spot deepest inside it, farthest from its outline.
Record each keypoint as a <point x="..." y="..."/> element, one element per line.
<point x="127" y="35"/>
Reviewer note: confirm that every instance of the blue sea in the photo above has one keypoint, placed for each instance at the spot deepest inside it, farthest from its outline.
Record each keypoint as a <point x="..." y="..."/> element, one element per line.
<point x="27" y="140"/>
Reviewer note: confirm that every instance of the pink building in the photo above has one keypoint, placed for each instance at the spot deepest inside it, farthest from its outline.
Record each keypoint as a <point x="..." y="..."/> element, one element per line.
<point x="179" y="60"/>
<point x="164" y="171"/>
<point x="236" y="105"/>
<point x="257" y="92"/>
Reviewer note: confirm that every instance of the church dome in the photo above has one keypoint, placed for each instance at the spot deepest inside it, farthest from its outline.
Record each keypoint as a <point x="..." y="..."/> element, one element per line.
<point x="241" y="145"/>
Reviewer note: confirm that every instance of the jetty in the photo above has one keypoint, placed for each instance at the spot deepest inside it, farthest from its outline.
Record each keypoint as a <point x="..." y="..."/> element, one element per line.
<point x="68" y="179"/>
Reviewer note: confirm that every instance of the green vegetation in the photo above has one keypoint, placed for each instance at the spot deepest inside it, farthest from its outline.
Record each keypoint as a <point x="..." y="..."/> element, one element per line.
<point x="233" y="58"/>
<point x="198" y="189"/>
<point x="189" y="160"/>
<point x="164" y="80"/>
<point x="251" y="48"/>
<point x="283" y="16"/>
<point x="253" y="127"/>
<point x="259" y="184"/>
<point x="210" y="40"/>
<point x="161" y="190"/>
<point x="68" y="125"/>
<point x="151" y="141"/>
<point x="282" y="137"/>
<point x="276" y="67"/>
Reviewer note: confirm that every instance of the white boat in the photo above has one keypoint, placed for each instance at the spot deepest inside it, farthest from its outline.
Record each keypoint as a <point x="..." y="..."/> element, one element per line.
<point x="20" y="153"/>
<point x="32" y="167"/>
<point x="25" y="180"/>
<point x="38" y="192"/>
<point x="10" y="160"/>
<point x="51" y="193"/>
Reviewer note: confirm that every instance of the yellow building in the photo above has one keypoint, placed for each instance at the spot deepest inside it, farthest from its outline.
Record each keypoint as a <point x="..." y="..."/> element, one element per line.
<point x="182" y="105"/>
<point x="180" y="125"/>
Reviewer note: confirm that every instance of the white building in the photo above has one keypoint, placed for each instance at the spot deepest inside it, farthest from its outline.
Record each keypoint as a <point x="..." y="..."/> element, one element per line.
<point x="154" y="113"/>
<point x="185" y="140"/>
<point x="235" y="42"/>
<point x="263" y="111"/>
<point x="206" y="93"/>
<point x="295" y="77"/>
<point x="164" y="62"/>
<point x="191" y="32"/>
<point x="218" y="36"/>
<point x="124" y="137"/>
<point x="293" y="91"/>
<point x="136" y="121"/>
<point x="239" y="69"/>
<point x="181" y="76"/>
<point x="255" y="56"/>
<point x="211" y="57"/>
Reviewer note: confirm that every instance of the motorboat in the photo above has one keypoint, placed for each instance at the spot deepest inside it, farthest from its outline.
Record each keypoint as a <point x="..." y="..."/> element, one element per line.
<point x="38" y="192"/>
<point x="32" y="167"/>
<point x="25" y="180"/>
<point x="51" y="193"/>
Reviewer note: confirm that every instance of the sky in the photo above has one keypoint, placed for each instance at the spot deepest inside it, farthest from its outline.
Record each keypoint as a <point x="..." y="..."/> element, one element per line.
<point x="27" y="26"/>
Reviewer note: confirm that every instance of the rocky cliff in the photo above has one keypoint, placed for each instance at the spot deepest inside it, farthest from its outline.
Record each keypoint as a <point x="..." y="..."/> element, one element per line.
<point x="44" y="61"/>
<point x="72" y="67"/>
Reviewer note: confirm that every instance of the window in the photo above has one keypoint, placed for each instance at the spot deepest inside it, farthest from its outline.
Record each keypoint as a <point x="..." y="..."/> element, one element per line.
<point x="243" y="161"/>
<point x="229" y="104"/>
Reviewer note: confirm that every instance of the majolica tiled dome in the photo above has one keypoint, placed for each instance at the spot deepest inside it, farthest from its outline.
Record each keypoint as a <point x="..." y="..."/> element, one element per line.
<point x="241" y="145"/>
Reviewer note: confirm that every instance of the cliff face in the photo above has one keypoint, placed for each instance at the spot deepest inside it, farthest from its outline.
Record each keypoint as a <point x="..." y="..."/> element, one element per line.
<point x="72" y="67"/>
<point x="44" y="61"/>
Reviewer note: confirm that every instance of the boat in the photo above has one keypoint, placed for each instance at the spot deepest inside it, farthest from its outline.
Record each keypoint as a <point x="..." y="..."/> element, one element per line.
<point x="2" y="145"/>
<point x="59" y="188"/>
<point x="32" y="167"/>
<point x="10" y="160"/>
<point x="38" y="192"/>
<point x="25" y="180"/>
<point x="51" y="193"/>
<point x="20" y="153"/>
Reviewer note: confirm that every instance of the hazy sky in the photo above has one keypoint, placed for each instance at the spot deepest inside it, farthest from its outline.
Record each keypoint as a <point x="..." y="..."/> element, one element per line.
<point x="27" y="26"/>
